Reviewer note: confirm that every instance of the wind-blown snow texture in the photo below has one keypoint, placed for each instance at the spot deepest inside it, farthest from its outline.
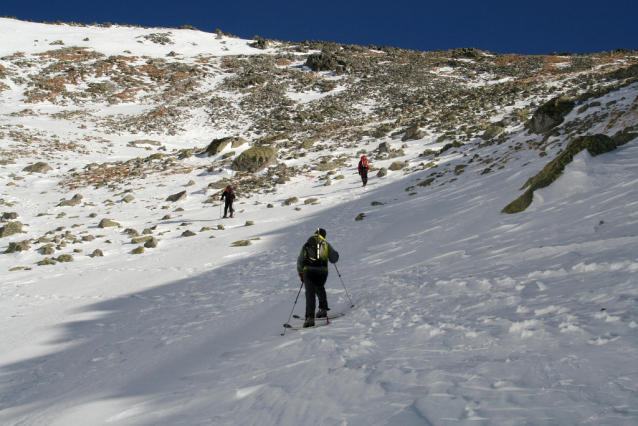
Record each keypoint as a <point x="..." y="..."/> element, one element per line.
<point x="463" y="315"/>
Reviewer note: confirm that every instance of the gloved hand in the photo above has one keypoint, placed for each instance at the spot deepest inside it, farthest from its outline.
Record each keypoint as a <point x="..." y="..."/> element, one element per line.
<point x="301" y="277"/>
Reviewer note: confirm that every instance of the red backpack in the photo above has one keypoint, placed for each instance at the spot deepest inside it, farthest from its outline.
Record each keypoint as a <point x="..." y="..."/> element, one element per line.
<point x="364" y="162"/>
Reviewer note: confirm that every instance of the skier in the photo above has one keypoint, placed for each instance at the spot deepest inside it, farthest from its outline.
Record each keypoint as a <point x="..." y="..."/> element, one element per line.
<point x="312" y="267"/>
<point x="363" y="169"/>
<point x="230" y="197"/>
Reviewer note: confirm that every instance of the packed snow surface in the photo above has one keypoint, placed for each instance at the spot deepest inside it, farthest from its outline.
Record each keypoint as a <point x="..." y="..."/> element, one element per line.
<point x="462" y="316"/>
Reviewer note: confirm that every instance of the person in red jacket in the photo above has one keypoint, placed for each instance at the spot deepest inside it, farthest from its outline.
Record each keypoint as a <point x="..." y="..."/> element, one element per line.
<point x="363" y="170"/>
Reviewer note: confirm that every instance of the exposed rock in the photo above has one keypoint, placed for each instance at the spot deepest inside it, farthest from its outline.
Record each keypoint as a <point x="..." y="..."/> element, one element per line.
<point x="47" y="249"/>
<point x="138" y="250"/>
<point x="384" y="147"/>
<point x="9" y="216"/>
<point x="105" y="223"/>
<point x="128" y="198"/>
<point x="188" y="233"/>
<point x="152" y="243"/>
<point x="360" y="216"/>
<point x="382" y="172"/>
<point x="241" y="243"/>
<point x="413" y="133"/>
<point x="11" y="228"/>
<point x="255" y="159"/>
<point x="325" y="61"/>
<point x="140" y="240"/>
<point x="97" y="253"/>
<point x="249" y="223"/>
<point x="46" y="261"/>
<point x="551" y="114"/>
<point x="595" y="145"/>
<point x="491" y="132"/>
<point x="291" y="200"/>
<point x="191" y="183"/>
<point x="398" y="165"/>
<point x="139" y="142"/>
<point x="218" y="145"/>
<point x="39" y="167"/>
<point x="88" y="238"/>
<point x="65" y="258"/>
<point x="19" y="246"/>
<point x="177" y="197"/>
<point x="77" y="199"/>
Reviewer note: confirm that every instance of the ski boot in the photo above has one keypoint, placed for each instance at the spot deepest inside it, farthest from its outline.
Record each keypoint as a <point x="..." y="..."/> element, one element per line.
<point x="310" y="321"/>
<point x="321" y="313"/>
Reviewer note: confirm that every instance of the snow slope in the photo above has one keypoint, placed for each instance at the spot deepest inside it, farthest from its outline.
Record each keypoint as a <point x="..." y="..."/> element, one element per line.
<point x="462" y="315"/>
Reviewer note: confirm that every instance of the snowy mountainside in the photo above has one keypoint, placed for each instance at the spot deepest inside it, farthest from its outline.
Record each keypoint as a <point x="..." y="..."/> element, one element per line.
<point x="462" y="314"/>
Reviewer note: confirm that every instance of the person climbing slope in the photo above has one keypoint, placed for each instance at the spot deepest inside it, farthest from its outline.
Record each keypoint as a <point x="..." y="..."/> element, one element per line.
<point x="363" y="169"/>
<point x="312" y="267"/>
<point x="229" y="195"/>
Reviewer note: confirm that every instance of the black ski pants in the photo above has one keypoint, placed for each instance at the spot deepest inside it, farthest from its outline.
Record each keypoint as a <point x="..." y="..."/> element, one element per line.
<point x="364" y="176"/>
<point x="315" y="287"/>
<point x="228" y="206"/>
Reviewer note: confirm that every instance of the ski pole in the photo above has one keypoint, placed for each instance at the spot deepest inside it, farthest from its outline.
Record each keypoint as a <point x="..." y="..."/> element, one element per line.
<point x="344" y="286"/>
<point x="287" y="324"/>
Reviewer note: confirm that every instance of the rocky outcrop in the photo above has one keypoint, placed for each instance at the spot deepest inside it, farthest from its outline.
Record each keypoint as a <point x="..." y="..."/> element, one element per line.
<point x="595" y="145"/>
<point x="551" y="114"/>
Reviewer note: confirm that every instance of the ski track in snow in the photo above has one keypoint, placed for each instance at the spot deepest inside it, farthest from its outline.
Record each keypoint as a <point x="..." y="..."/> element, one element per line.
<point x="463" y="315"/>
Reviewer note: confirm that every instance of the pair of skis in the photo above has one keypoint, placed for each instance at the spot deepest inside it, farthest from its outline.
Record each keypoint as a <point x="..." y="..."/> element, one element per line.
<point x="319" y="322"/>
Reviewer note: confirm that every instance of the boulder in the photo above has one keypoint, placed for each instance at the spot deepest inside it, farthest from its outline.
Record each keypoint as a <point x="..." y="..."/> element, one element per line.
<point x="152" y="243"/>
<point x="398" y="165"/>
<point x="177" y="197"/>
<point x="384" y="147"/>
<point x="19" y="246"/>
<point x="39" y="167"/>
<point x="105" y="223"/>
<point x="255" y="159"/>
<point x="77" y="199"/>
<point x="11" y="228"/>
<point x="9" y="216"/>
<point x="97" y="253"/>
<point x="46" y="261"/>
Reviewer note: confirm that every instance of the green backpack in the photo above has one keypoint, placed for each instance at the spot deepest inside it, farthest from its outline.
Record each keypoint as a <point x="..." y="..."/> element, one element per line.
<point x="315" y="252"/>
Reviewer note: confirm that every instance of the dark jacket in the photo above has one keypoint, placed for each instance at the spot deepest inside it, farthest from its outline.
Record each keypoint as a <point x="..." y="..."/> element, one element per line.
<point x="230" y="196"/>
<point x="333" y="257"/>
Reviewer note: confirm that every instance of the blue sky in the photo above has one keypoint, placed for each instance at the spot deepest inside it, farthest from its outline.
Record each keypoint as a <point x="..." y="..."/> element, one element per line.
<point x="502" y="26"/>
